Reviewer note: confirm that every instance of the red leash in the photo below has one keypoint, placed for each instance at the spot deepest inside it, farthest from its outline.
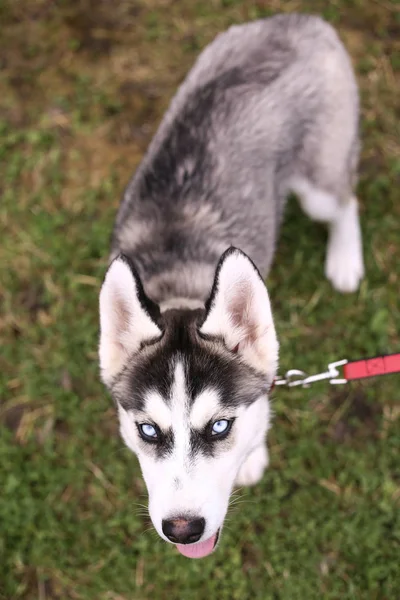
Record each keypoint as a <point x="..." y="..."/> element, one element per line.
<point x="371" y="367"/>
<point x="357" y="369"/>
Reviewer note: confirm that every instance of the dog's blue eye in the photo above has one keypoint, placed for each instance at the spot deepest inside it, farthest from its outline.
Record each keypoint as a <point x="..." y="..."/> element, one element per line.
<point x="148" y="431"/>
<point x="220" y="426"/>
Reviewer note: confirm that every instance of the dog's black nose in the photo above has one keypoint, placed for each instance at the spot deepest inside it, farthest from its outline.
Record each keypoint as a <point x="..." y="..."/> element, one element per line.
<point x="182" y="530"/>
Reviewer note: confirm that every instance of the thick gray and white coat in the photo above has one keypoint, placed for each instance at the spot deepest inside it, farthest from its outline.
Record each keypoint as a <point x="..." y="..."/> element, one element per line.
<point x="187" y="334"/>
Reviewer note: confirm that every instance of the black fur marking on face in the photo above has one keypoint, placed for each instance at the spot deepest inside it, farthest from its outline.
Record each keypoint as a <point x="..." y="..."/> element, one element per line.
<point x="207" y="363"/>
<point x="166" y="444"/>
<point x="199" y="444"/>
<point x="162" y="446"/>
<point x="206" y="443"/>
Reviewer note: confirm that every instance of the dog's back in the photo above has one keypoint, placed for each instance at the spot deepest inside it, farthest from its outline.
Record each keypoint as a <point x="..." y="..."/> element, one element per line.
<point x="269" y="107"/>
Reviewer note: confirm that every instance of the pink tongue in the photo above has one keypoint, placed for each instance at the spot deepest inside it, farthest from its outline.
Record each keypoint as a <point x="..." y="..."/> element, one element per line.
<point x="198" y="550"/>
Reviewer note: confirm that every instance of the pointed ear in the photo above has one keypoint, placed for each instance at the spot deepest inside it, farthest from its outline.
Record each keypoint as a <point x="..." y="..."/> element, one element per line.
<point x="127" y="317"/>
<point x="239" y="310"/>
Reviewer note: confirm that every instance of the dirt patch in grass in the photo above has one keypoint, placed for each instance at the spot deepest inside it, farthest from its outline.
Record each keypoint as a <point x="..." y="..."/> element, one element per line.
<point x="355" y="416"/>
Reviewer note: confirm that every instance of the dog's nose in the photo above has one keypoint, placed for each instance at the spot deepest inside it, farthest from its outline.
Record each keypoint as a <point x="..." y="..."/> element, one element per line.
<point x="183" y="531"/>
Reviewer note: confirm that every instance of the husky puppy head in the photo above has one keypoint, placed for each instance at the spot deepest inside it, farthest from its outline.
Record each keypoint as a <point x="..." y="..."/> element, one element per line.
<point x="191" y="390"/>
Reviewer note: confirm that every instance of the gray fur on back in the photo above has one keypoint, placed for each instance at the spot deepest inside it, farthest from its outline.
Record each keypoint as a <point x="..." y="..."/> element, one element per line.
<point x="265" y="102"/>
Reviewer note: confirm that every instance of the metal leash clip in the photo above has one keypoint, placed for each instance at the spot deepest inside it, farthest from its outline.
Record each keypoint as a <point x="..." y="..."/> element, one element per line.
<point x="294" y="377"/>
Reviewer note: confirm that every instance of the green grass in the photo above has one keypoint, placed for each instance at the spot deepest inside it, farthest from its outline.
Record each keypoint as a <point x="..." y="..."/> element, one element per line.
<point x="85" y="85"/>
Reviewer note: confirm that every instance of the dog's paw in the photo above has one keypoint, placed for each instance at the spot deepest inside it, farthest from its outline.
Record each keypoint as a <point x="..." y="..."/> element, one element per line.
<point x="253" y="467"/>
<point x="344" y="265"/>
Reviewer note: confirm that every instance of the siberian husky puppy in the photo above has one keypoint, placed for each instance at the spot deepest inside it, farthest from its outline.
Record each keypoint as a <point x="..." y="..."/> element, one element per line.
<point x="188" y="347"/>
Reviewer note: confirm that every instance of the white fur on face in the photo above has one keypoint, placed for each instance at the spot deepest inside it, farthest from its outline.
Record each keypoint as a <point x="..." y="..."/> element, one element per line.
<point x="184" y="483"/>
<point x="206" y="407"/>
<point x="157" y="410"/>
